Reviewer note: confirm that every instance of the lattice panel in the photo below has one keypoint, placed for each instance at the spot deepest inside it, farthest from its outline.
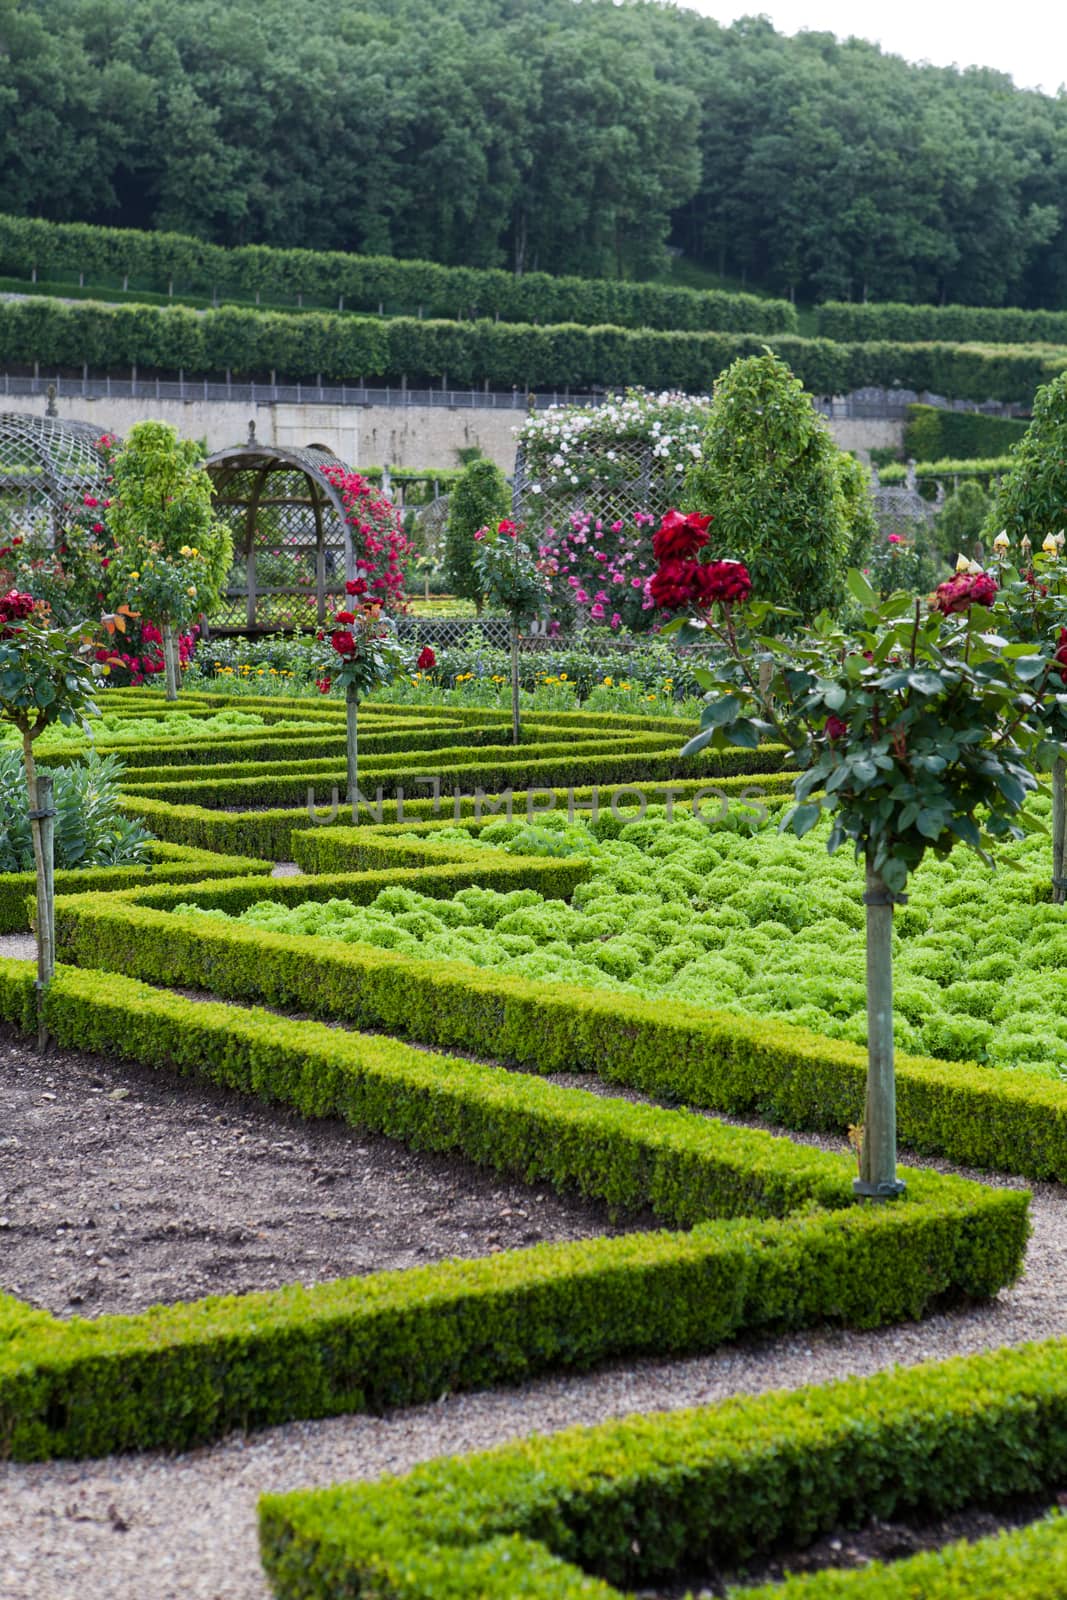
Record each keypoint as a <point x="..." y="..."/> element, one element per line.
<point x="47" y="466"/>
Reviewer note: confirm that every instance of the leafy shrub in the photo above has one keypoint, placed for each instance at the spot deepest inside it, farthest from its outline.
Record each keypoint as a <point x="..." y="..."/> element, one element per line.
<point x="90" y="831"/>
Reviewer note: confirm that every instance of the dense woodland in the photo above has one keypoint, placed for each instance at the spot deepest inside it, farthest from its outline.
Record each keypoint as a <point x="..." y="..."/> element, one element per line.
<point x="576" y="136"/>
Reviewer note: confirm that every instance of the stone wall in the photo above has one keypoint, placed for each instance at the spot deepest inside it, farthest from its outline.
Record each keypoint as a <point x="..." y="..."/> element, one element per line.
<point x="363" y="436"/>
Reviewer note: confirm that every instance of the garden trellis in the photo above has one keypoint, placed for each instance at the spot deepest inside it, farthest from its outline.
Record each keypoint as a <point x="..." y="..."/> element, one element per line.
<point x="47" y="466"/>
<point x="292" y="543"/>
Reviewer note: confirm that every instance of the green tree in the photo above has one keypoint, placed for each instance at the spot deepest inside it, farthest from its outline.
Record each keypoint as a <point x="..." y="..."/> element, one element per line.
<point x="771" y="478"/>
<point x="961" y="519"/>
<point x="171" y="556"/>
<point x="854" y="486"/>
<point x="480" y="500"/>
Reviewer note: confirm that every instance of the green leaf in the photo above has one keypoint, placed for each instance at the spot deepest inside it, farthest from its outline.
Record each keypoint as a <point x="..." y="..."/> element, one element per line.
<point x="860" y="589"/>
<point x="803" y="818"/>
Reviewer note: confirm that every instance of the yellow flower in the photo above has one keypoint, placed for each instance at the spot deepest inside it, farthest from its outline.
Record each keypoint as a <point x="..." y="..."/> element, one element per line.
<point x="191" y="590"/>
<point x="1049" y="545"/>
<point x="563" y="677"/>
<point x="186" y="550"/>
<point x="624" y="685"/>
<point x="135" y="575"/>
<point x="608" y="682"/>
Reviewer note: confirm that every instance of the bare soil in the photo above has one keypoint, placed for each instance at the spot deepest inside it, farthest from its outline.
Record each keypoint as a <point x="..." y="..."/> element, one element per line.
<point x="122" y="1187"/>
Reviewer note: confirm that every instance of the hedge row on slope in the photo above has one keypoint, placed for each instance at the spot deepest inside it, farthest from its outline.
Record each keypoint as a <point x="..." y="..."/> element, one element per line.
<point x="888" y="319"/>
<point x="933" y="433"/>
<point x="1011" y="1122"/>
<point x="349" y="349"/>
<point x="787" y="1248"/>
<point x="592" y="1512"/>
<point x="32" y="248"/>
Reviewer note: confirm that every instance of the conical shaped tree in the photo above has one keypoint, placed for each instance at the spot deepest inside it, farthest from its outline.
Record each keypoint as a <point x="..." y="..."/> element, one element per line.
<point x="481" y="499"/>
<point x="769" y="476"/>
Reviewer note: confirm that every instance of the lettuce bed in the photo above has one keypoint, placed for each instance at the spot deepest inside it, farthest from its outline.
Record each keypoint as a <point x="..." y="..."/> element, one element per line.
<point x="766" y="926"/>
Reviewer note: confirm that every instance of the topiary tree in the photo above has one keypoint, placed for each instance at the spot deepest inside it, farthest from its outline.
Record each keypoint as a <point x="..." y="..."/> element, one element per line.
<point x="171" y="556"/>
<point x="857" y="508"/>
<point x="961" y="519"/>
<point x="481" y="499"/>
<point x="771" y="478"/>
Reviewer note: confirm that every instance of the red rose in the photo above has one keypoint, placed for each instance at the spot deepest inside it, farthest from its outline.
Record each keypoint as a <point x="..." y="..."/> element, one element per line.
<point x="725" y="581"/>
<point x="836" y="728"/>
<point x="345" y="617"/>
<point x="355" y="586"/>
<point x="680" y="536"/>
<point x="964" y="591"/>
<point x="426" y="660"/>
<point x="671" y="586"/>
<point x="343" y="643"/>
<point x="14" y="607"/>
<point x="323" y="685"/>
<point x="510" y="528"/>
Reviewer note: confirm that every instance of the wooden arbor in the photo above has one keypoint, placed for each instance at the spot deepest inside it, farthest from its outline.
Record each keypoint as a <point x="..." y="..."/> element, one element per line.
<point x="47" y="467"/>
<point x="291" y="538"/>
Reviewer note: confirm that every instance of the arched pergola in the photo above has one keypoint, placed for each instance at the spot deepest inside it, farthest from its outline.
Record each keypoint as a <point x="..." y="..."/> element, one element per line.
<point x="47" y="467"/>
<point x="291" y="539"/>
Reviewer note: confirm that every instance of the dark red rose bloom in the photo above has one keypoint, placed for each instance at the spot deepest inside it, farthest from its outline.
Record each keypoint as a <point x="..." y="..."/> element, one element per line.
<point x="343" y="642"/>
<point x="510" y="528"/>
<point x="356" y="586"/>
<point x="671" y="587"/>
<point x="964" y="591"/>
<point x="725" y="581"/>
<point x="426" y="660"/>
<point x="15" y="607"/>
<point x="679" y="537"/>
<point x="345" y="617"/>
<point x="323" y="685"/>
<point x="836" y="728"/>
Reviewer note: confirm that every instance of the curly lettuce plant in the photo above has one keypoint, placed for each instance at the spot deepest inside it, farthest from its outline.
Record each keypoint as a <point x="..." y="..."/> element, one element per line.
<point x="918" y="732"/>
<point x="362" y="653"/>
<point x="47" y="675"/>
<point x="511" y="577"/>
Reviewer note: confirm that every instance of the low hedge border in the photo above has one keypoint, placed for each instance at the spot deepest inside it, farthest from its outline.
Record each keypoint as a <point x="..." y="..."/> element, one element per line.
<point x="485" y="772"/>
<point x="276" y="746"/>
<point x="1006" y="1121"/>
<point x="592" y="1511"/>
<point x="171" y="863"/>
<point x="268" y="832"/>
<point x="176" y="1375"/>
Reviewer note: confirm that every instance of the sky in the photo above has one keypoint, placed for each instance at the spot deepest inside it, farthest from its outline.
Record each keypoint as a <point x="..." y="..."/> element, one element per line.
<point x="1027" y="38"/>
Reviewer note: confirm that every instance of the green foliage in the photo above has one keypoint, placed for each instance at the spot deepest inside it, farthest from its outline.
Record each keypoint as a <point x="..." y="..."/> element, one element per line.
<point x="90" y="830"/>
<point x="766" y="1215"/>
<point x="725" y="1060"/>
<point x="630" y="1504"/>
<point x="961" y="519"/>
<point x="933" y="432"/>
<point x="772" y="478"/>
<point x="508" y="573"/>
<point x="171" y="556"/>
<point x="479" y="500"/>
<point x="1031" y="500"/>
<point x="47" y="675"/>
<point x="552" y="356"/>
<point x="861" y="524"/>
<point x="965" y="324"/>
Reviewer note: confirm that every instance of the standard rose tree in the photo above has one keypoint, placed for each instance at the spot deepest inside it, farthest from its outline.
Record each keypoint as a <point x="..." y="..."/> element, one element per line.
<point x="47" y="675"/>
<point x="918" y="732"/>
<point x="171" y="556"/>
<point x="361" y="653"/>
<point x="511" y="577"/>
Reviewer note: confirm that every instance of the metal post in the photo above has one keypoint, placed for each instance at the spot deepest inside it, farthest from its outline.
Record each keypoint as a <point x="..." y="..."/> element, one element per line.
<point x="878" y="1156"/>
<point x="352" y="745"/>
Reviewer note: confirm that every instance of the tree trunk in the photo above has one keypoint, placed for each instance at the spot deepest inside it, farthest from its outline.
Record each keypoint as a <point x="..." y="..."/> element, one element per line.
<point x="42" y="826"/>
<point x="515" y="727"/>
<point x="352" y="745"/>
<point x="1059" y="827"/>
<point x="171" y="670"/>
<point x="878" y="1156"/>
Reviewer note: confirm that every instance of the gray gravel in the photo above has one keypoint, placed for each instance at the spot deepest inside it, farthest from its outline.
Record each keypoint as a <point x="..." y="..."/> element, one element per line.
<point x="184" y="1527"/>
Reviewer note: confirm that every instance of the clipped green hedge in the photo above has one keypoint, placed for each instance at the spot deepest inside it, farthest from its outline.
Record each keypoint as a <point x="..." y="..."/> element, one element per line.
<point x="888" y="319"/>
<point x="984" y="468"/>
<point x="171" y="863"/>
<point x="276" y="746"/>
<point x="933" y="433"/>
<point x="269" y="832"/>
<point x="630" y="1504"/>
<point x="169" y="262"/>
<point x="175" y="1376"/>
<point x="348" y="349"/>
<point x="1012" y="1122"/>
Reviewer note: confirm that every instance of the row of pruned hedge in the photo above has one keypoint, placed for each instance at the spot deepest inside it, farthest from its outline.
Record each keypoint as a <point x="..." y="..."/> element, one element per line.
<point x="273" y="785"/>
<point x="347" y="349"/>
<point x="171" y="262"/>
<point x="170" y="863"/>
<point x="1007" y="1121"/>
<point x="888" y="319"/>
<point x="632" y="1505"/>
<point x="934" y="433"/>
<point x="269" y="832"/>
<point x="786" y="1248"/>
